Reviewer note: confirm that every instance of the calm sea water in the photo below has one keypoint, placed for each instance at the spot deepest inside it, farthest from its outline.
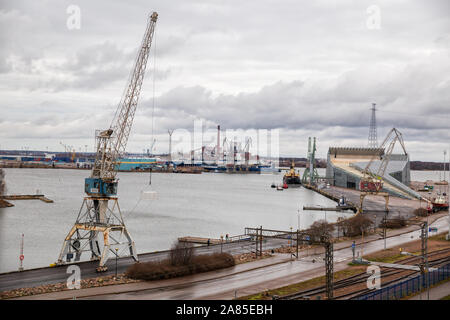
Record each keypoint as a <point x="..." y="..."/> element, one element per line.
<point x="205" y="205"/>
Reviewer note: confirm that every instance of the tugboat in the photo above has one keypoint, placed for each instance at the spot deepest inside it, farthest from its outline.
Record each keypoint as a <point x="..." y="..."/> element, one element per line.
<point x="439" y="204"/>
<point x="292" y="178"/>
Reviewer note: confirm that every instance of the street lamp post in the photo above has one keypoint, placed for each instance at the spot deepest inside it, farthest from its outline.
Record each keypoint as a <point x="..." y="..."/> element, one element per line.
<point x="117" y="249"/>
<point x="221" y="243"/>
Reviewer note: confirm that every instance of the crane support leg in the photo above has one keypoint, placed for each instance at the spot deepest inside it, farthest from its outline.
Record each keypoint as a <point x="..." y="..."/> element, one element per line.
<point x="97" y="217"/>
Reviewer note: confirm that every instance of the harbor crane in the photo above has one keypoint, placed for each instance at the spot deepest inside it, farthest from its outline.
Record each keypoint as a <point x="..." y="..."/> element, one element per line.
<point x="372" y="181"/>
<point x="100" y="211"/>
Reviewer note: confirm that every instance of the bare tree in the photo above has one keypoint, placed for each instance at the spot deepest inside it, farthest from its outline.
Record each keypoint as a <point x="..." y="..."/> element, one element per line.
<point x="181" y="253"/>
<point x="321" y="228"/>
<point x="356" y="225"/>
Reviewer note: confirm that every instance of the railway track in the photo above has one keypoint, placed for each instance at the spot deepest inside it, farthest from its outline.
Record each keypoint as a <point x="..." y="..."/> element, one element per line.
<point x="362" y="278"/>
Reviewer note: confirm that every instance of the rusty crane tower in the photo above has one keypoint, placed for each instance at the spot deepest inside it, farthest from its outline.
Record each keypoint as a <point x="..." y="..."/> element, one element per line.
<point x="100" y="211"/>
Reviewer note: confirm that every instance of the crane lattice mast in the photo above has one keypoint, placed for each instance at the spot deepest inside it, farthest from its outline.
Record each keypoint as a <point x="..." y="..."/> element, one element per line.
<point x="96" y="214"/>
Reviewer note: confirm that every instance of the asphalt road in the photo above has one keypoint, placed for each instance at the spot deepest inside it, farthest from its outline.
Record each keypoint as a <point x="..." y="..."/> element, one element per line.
<point x="52" y="275"/>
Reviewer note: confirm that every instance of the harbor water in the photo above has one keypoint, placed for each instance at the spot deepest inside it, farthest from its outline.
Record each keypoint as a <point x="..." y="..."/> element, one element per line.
<point x="204" y="205"/>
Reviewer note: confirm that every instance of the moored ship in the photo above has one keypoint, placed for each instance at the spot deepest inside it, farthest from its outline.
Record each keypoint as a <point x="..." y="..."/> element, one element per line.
<point x="292" y="177"/>
<point x="439" y="204"/>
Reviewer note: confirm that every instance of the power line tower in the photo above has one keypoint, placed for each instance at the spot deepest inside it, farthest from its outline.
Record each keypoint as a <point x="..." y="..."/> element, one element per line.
<point x="373" y="142"/>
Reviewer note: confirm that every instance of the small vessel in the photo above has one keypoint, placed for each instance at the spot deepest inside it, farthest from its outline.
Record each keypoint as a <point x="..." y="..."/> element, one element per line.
<point x="279" y="188"/>
<point x="439" y="204"/>
<point x="273" y="185"/>
<point x="292" y="177"/>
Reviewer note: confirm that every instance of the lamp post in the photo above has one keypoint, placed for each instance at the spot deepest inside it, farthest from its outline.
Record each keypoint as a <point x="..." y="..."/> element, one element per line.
<point x="221" y="243"/>
<point x="117" y="249"/>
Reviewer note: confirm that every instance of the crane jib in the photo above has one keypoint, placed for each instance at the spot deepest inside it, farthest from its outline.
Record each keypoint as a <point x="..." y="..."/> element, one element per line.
<point x="111" y="143"/>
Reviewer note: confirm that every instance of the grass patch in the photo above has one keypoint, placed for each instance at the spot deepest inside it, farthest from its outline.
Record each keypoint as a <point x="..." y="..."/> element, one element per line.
<point x="164" y="269"/>
<point x="308" y="284"/>
<point x="438" y="237"/>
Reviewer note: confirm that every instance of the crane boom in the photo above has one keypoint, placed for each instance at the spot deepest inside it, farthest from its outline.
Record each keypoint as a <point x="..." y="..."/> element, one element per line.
<point x="372" y="181"/>
<point x="111" y="143"/>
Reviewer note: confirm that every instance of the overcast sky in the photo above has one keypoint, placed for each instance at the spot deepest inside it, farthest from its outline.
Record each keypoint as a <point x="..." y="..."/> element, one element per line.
<point x="307" y="68"/>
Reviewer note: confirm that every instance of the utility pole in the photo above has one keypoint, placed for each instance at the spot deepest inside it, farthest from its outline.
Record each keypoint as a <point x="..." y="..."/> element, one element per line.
<point x="260" y="240"/>
<point x="424" y="268"/>
<point x="329" y="268"/>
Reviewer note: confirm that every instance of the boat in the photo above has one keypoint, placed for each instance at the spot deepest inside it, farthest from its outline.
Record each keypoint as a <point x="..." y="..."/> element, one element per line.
<point x="439" y="204"/>
<point x="292" y="177"/>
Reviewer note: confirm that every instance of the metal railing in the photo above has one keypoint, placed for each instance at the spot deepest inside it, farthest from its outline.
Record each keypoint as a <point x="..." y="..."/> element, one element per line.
<point x="408" y="287"/>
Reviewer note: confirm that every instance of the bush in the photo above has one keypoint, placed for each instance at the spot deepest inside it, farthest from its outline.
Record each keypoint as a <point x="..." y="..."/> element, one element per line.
<point x="355" y="226"/>
<point x="395" y="223"/>
<point x="165" y="270"/>
<point x="421" y="212"/>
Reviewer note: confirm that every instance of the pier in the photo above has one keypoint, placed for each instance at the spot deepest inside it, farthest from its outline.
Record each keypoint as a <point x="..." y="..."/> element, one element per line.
<point x="4" y="203"/>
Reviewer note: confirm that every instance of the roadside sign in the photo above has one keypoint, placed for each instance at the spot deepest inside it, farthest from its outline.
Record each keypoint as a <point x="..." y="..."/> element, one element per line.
<point x="353" y="245"/>
<point x="432" y="229"/>
<point x="21" y="257"/>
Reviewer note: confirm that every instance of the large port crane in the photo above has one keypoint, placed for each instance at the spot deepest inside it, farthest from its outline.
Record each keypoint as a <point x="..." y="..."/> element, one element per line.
<point x="371" y="182"/>
<point x="100" y="211"/>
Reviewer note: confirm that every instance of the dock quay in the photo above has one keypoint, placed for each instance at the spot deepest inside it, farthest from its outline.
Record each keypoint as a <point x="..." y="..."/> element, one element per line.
<point x="4" y="203"/>
<point x="374" y="206"/>
<point x="213" y="241"/>
<point x="333" y="196"/>
<point x="337" y="208"/>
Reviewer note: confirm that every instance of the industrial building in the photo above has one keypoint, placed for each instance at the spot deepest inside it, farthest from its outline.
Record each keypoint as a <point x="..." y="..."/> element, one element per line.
<point x="345" y="167"/>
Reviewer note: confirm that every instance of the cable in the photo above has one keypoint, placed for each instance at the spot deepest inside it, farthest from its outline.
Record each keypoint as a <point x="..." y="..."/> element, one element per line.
<point x="153" y="100"/>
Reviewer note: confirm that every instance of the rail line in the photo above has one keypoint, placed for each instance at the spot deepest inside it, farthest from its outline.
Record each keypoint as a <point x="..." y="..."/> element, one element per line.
<point x="362" y="278"/>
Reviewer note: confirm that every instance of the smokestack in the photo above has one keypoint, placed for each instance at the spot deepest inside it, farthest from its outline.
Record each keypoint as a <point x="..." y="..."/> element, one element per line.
<point x="218" y="144"/>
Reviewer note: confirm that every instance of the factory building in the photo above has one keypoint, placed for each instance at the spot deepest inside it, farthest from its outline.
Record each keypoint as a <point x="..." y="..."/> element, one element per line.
<point x="345" y="166"/>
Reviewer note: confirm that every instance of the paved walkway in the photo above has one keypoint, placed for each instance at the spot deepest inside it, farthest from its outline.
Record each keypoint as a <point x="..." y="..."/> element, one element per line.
<point x="436" y="293"/>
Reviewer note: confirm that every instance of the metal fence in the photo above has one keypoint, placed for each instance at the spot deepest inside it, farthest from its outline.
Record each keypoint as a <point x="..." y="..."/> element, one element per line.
<point x="408" y="287"/>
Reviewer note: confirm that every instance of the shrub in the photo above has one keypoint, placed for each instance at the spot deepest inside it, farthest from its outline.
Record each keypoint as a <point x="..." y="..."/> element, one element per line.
<point x="394" y="223"/>
<point x="165" y="269"/>
<point x="421" y="212"/>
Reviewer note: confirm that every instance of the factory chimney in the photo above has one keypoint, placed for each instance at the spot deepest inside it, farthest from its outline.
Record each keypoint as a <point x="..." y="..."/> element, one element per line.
<point x="218" y="144"/>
